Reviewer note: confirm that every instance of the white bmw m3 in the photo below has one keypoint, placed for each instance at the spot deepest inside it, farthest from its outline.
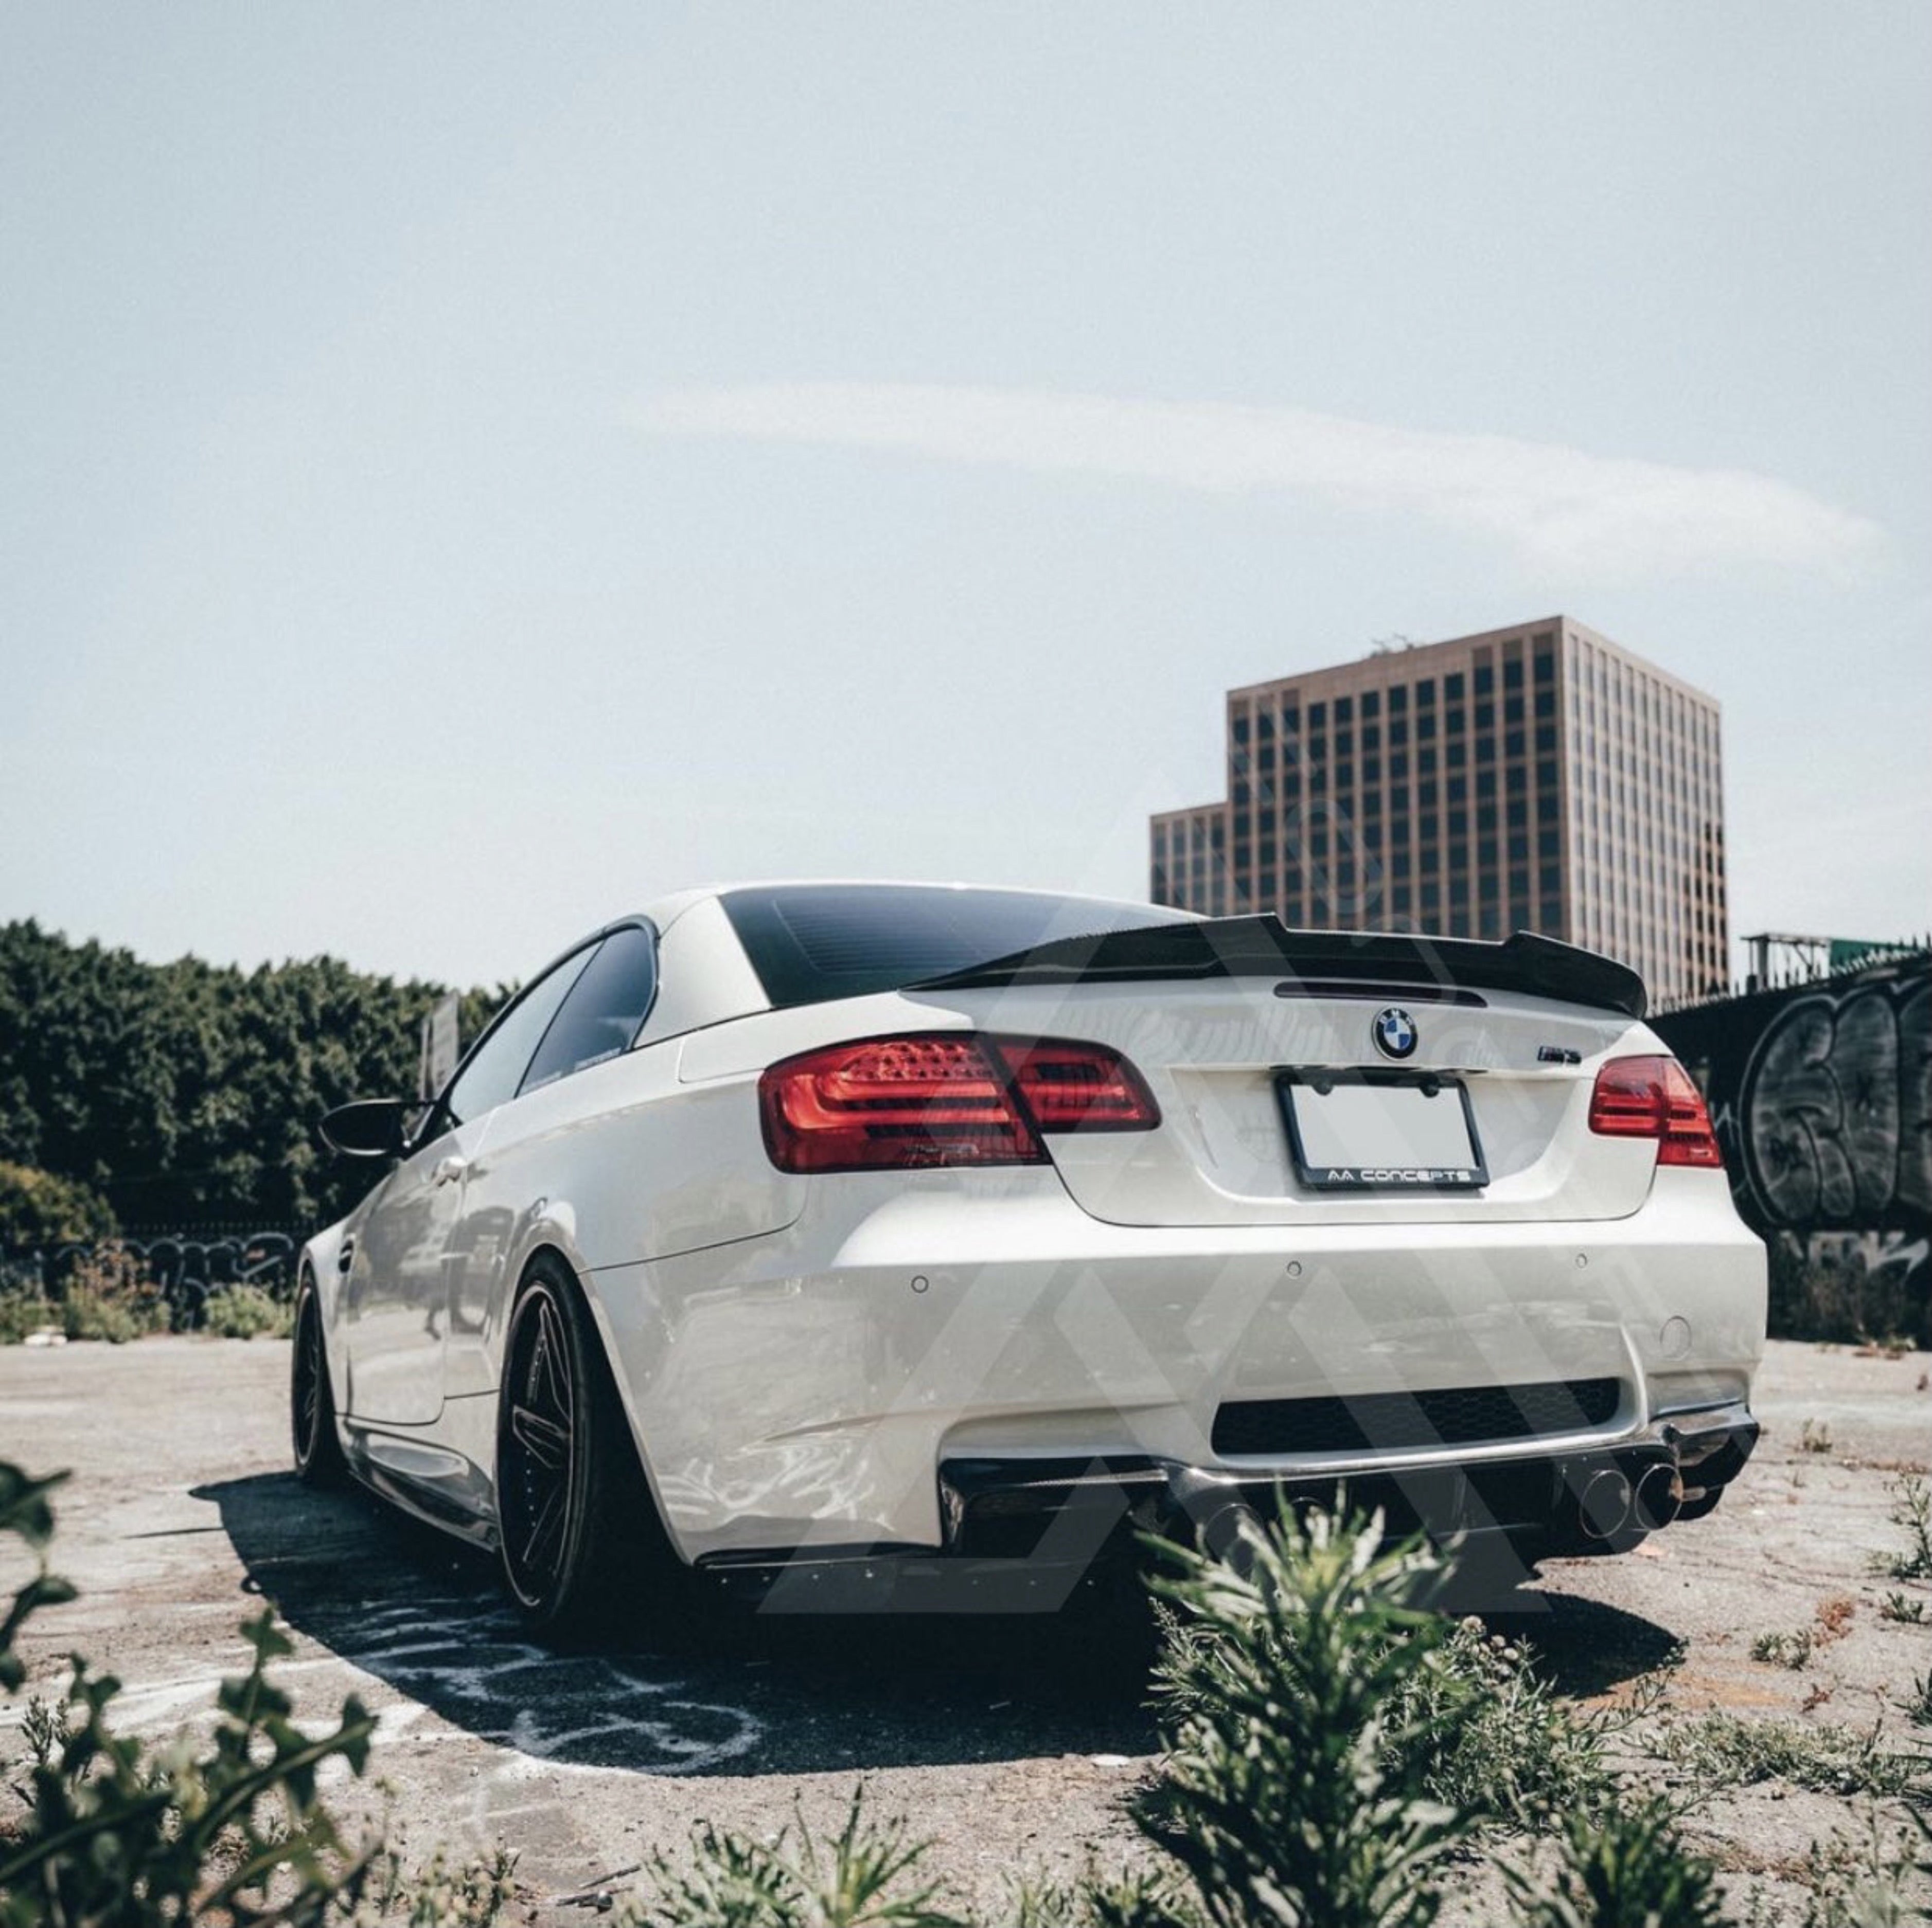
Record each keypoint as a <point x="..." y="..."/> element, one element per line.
<point x="804" y="1230"/>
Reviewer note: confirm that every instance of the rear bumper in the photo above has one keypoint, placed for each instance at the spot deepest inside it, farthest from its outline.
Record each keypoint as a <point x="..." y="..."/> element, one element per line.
<point x="909" y="1363"/>
<point x="1030" y="1529"/>
<point x="1603" y="1499"/>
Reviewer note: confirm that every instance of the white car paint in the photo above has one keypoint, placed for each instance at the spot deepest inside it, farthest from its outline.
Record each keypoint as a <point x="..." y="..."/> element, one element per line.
<point x="797" y="1357"/>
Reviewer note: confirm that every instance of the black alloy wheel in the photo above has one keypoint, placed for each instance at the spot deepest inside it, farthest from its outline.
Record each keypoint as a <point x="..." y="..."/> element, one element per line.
<point x="538" y="1461"/>
<point x="318" y="1451"/>
<point x="574" y="1515"/>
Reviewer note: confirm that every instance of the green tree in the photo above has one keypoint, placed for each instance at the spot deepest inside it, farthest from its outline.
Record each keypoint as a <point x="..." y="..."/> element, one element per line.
<point x="187" y="1091"/>
<point x="39" y="1211"/>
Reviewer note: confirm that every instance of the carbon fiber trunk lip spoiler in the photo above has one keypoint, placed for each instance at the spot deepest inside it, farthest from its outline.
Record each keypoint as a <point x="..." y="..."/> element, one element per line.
<point x="1322" y="963"/>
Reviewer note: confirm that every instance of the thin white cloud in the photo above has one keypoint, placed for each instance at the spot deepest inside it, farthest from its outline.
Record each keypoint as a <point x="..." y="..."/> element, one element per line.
<point x="1561" y="509"/>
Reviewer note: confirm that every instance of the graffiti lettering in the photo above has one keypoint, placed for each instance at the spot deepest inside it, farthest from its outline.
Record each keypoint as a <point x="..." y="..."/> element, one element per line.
<point x="1835" y="1109"/>
<point x="1822" y="1098"/>
<point x="185" y="1266"/>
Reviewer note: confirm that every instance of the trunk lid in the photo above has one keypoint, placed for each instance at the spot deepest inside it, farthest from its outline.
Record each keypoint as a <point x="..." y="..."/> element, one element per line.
<point x="1212" y="1014"/>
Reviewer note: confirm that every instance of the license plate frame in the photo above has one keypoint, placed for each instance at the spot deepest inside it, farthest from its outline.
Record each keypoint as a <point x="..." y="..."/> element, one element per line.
<point x="1379" y="1174"/>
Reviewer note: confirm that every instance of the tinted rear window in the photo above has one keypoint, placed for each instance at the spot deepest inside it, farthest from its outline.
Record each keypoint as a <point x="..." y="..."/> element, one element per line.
<point x="810" y="943"/>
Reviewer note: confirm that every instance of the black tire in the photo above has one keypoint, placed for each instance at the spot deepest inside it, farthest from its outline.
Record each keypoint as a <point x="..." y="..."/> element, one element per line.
<point x="583" y="1555"/>
<point x="318" y="1450"/>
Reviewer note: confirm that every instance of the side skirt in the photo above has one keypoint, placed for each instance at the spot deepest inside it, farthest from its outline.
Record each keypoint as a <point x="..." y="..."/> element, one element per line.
<point x="430" y="1483"/>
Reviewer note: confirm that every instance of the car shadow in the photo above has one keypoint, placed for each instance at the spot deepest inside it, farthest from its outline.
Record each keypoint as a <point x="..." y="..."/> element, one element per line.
<point x="738" y="1691"/>
<point x="1584" y="1647"/>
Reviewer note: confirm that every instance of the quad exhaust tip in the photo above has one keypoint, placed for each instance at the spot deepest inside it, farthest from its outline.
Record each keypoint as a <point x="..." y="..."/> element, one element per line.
<point x="1612" y="1507"/>
<point x="1658" y="1497"/>
<point x="1603" y="1506"/>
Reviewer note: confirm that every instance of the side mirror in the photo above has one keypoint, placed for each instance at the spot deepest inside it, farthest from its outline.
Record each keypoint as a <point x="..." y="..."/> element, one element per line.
<point x="369" y="1128"/>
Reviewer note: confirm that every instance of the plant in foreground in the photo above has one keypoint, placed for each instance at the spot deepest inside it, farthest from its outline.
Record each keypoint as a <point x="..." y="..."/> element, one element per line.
<point x="1291" y="1795"/>
<point x="865" y="1876"/>
<point x="1136" y="1899"/>
<point x="1622" y="1869"/>
<point x="118" y="1834"/>
<point x="1333" y="1741"/>
<point x="1316" y="1709"/>
<point x="1492" y="1738"/>
<point x="1469" y="1715"/>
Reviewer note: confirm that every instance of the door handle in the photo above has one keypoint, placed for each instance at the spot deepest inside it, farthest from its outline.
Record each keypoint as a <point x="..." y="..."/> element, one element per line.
<point x="449" y="1169"/>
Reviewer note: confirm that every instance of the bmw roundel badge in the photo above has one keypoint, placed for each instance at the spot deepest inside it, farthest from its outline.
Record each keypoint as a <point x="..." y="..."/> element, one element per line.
<point x="1394" y="1033"/>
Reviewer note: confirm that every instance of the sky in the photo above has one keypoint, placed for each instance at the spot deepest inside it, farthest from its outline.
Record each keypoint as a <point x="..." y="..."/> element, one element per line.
<point x="466" y="472"/>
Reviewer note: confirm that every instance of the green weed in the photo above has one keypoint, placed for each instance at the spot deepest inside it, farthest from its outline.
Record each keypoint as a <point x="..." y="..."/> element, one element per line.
<point x="1722" y="1750"/>
<point x="246" y="1312"/>
<point x="1784" y="1650"/>
<point x="1911" y="1510"/>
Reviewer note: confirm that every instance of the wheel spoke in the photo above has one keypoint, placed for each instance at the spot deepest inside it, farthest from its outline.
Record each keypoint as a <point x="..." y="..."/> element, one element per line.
<point x="547" y="1442"/>
<point x="554" y="1361"/>
<point x="545" y="1529"/>
<point x="538" y="1444"/>
<point x="308" y="1381"/>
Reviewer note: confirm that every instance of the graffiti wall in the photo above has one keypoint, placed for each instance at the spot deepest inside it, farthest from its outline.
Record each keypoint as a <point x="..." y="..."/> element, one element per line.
<point x="1822" y="1096"/>
<point x="185" y="1265"/>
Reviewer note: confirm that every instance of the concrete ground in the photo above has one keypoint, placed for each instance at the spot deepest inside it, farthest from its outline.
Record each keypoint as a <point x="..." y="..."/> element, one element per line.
<point x="1013" y="1740"/>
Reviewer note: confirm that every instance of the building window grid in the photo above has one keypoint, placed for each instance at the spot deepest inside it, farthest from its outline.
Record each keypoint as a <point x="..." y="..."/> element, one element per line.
<point x="1640" y="878"/>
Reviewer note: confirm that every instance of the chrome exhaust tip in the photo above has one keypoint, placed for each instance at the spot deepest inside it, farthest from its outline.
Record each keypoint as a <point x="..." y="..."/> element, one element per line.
<point x="1224" y="1533"/>
<point x="1659" y="1497"/>
<point x="1603" y="1506"/>
<point x="1218" y="1510"/>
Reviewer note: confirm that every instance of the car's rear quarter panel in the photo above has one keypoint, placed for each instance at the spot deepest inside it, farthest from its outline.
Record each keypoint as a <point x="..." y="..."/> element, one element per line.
<point x="620" y="1163"/>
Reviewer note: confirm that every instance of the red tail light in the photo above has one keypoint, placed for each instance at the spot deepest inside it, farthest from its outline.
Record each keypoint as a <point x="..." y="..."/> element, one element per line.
<point x="1654" y="1098"/>
<point x="1067" y="1087"/>
<point x="949" y="1098"/>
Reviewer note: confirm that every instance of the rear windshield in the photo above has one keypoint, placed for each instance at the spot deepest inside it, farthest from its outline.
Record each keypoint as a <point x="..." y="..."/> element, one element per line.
<point x="809" y="943"/>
